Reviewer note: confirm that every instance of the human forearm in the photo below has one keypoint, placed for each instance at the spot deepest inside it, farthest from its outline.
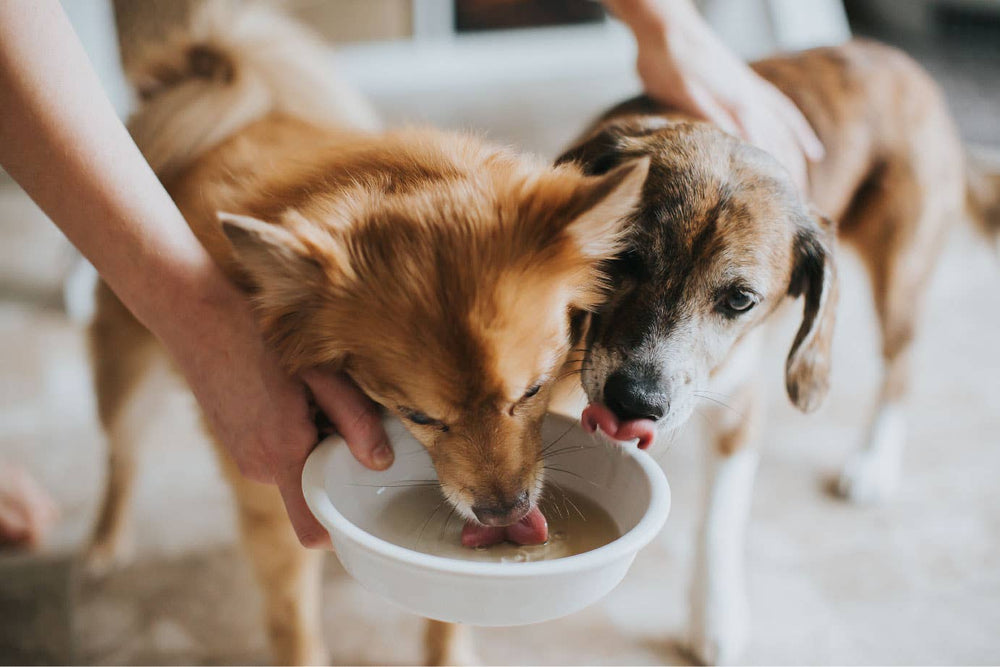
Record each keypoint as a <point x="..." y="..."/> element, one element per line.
<point x="61" y="140"/>
<point x="652" y="21"/>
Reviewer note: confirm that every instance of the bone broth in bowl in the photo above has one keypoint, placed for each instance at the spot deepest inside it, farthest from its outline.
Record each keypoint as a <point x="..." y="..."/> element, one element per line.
<point x="396" y="534"/>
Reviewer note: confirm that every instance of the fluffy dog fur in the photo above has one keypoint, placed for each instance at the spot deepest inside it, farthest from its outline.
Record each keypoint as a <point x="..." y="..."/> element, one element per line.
<point x="722" y="238"/>
<point x="440" y="272"/>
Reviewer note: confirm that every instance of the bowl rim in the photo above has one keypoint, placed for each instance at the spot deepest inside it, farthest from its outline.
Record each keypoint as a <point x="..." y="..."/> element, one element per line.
<point x="630" y="543"/>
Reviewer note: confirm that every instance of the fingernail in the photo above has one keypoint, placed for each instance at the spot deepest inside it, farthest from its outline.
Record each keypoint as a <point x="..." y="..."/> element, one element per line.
<point x="383" y="455"/>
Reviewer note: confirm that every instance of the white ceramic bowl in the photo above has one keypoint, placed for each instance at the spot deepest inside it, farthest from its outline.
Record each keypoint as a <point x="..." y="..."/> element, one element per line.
<point x="347" y="497"/>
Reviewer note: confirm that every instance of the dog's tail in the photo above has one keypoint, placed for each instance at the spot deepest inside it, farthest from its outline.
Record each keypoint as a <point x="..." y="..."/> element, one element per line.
<point x="983" y="196"/>
<point x="230" y="65"/>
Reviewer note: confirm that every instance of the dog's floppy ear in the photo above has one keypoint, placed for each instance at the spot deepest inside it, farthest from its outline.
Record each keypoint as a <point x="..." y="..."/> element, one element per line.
<point x="814" y="277"/>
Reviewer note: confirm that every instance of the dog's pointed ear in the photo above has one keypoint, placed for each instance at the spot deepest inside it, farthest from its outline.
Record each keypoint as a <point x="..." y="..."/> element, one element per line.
<point x="603" y="208"/>
<point x="269" y="254"/>
<point x="814" y="277"/>
<point x="292" y="282"/>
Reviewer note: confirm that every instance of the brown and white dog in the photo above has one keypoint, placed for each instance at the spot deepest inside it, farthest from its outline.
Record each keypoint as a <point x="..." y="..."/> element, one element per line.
<point x="722" y="238"/>
<point x="439" y="272"/>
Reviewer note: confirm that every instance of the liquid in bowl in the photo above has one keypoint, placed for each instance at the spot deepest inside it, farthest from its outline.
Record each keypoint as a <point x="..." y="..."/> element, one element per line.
<point x="418" y="519"/>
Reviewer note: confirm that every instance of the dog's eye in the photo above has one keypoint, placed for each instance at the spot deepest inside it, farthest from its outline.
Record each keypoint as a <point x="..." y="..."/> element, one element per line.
<point x="421" y="418"/>
<point x="737" y="300"/>
<point x="532" y="391"/>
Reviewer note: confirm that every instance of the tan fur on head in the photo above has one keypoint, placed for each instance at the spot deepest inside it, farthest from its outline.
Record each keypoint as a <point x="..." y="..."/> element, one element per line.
<point x="444" y="290"/>
<point x="718" y="220"/>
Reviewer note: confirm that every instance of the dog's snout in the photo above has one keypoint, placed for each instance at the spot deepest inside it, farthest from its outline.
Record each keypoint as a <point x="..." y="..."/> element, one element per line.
<point x="635" y="396"/>
<point x="503" y="511"/>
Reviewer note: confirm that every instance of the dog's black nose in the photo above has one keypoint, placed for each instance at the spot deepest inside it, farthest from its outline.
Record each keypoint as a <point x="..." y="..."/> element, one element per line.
<point x="503" y="512"/>
<point x="635" y="396"/>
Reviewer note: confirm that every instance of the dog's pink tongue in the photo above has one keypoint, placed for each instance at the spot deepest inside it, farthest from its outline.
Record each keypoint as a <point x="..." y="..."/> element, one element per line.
<point x="597" y="416"/>
<point x="532" y="529"/>
<point x="475" y="534"/>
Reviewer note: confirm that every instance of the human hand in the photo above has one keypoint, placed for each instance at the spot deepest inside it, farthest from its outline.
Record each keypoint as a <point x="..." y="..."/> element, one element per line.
<point x="260" y="414"/>
<point x="683" y="64"/>
<point x="27" y="512"/>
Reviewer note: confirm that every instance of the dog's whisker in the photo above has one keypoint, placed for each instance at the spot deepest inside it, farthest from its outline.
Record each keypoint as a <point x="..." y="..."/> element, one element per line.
<point x="556" y="441"/>
<point x="704" y="417"/>
<point x="716" y="393"/>
<point x="576" y="371"/>
<point x="548" y="494"/>
<point x="562" y="492"/>
<point x="566" y="450"/>
<point x="423" y="527"/>
<point x="718" y="402"/>
<point x="444" y="527"/>
<point x="574" y="506"/>
<point x="667" y="447"/>
<point x="570" y="472"/>
<point x="568" y="499"/>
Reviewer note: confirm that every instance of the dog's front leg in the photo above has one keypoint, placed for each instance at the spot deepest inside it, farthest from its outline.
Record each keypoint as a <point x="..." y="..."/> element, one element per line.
<point x="290" y="576"/>
<point x="448" y="644"/>
<point x="719" y="622"/>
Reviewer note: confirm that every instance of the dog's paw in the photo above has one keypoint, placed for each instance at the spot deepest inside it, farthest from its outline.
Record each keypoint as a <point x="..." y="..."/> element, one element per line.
<point x="872" y="474"/>
<point x="719" y="630"/>
<point x="103" y="557"/>
<point x="868" y="478"/>
<point x="721" y="645"/>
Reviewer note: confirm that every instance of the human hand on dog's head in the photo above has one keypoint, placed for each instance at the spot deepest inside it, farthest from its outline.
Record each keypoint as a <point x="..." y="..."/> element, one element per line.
<point x="685" y="66"/>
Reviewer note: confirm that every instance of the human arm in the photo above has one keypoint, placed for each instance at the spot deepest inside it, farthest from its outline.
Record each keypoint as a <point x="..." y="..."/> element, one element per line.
<point x="683" y="64"/>
<point x="62" y="141"/>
